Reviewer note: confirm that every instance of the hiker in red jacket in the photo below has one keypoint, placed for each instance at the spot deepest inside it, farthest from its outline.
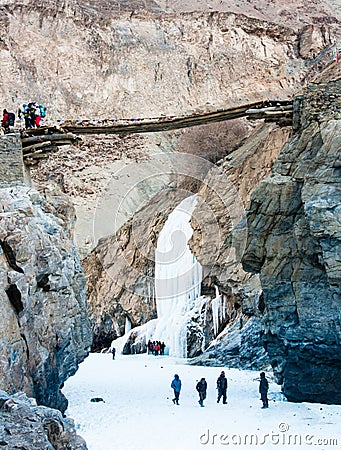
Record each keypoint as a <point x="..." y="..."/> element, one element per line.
<point x="4" y="121"/>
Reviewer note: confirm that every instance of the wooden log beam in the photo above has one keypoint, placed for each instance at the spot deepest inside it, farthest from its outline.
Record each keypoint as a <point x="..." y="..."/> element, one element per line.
<point x="39" y="154"/>
<point x="50" y="137"/>
<point x="31" y="148"/>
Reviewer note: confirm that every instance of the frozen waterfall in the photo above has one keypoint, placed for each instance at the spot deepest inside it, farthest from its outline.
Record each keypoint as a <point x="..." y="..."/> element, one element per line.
<point x="177" y="279"/>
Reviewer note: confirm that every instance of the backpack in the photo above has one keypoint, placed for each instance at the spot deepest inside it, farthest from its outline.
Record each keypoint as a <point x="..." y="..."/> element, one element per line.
<point x="11" y="119"/>
<point x="42" y="110"/>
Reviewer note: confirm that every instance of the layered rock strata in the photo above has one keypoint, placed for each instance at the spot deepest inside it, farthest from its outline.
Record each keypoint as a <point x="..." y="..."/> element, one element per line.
<point x="294" y="243"/>
<point x="44" y="331"/>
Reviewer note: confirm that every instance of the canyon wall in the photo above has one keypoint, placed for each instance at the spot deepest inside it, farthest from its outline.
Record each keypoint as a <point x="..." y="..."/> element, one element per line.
<point x="91" y="59"/>
<point x="294" y="243"/>
<point x="120" y="270"/>
<point x="44" y="330"/>
<point x="218" y="243"/>
<point x="128" y="59"/>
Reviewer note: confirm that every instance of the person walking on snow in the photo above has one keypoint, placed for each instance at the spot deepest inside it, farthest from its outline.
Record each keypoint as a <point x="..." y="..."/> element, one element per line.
<point x="176" y="386"/>
<point x="263" y="390"/>
<point x="222" y="387"/>
<point x="113" y="351"/>
<point x="201" y="387"/>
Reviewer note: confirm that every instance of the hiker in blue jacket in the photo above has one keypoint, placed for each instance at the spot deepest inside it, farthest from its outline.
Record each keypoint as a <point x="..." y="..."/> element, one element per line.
<point x="176" y="386"/>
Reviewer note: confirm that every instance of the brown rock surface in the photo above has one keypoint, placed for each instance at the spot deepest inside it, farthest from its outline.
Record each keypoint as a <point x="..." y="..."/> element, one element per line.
<point x="93" y="61"/>
<point x="112" y="59"/>
<point x="218" y="243"/>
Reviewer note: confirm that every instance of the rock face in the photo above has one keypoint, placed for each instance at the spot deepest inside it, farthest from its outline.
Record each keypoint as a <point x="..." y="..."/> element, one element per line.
<point x="26" y="425"/>
<point x="218" y="244"/>
<point x="44" y="330"/>
<point x="112" y="59"/>
<point x="294" y="242"/>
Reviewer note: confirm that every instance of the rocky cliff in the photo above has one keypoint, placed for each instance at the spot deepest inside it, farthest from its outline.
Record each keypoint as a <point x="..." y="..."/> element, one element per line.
<point x="294" y="243"/>
<point x="44" y="331"/>
<point x="112" y="59"/>
<point x="218" y="243"/>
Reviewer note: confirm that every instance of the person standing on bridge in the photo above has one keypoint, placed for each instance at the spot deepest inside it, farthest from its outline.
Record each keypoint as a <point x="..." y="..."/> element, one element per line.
<point x="8" y="120"/>
<point x="4" y="121"/>
<point x="32" y="115"/>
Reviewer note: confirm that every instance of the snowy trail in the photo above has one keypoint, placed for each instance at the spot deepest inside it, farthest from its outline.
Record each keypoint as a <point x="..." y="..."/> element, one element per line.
<point x="138" y="412"/>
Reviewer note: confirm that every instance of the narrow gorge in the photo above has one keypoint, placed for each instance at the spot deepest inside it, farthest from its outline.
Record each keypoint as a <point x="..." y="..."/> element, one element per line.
<point x="222" y="240"/>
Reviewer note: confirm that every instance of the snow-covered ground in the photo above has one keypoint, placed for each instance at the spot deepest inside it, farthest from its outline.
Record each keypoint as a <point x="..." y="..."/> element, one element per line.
<point x="138" y="412"/>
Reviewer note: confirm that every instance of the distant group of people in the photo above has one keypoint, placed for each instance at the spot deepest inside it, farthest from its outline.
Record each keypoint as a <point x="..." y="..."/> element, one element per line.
<point x="201" y="388"/>
<point x="32" y="114"/>
<point x="156" y="347"/>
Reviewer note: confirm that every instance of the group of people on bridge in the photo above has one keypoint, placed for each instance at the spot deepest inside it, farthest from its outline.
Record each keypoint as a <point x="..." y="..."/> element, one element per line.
<point x="32" y="113"/>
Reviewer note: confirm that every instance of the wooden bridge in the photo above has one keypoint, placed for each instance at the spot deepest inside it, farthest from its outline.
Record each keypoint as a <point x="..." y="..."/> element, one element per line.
<point x="269" y="110"/>
<point x="38" y="142"/>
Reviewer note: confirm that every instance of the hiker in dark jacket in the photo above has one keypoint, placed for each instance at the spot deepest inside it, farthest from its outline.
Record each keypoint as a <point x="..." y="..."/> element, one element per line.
<point x="201" y="387"/>
<point x="26" y="115"/>
<point x="263" y="390"/>
<point x="31" y="107"/>
<point x="113" y="351"/>
<point x="176" y="386"/>
<point x="222" y="387"/>
<point x="162" y="348"/>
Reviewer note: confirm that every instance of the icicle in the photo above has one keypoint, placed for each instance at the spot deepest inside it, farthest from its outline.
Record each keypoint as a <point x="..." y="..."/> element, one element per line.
<point x="224" y="307"/>
<point x="216" y="311"/>
<point x="127" y="326"/>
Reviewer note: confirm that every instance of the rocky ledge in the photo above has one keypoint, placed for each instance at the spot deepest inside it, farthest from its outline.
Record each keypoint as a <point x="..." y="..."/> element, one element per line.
<point x="294" y="243"/>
